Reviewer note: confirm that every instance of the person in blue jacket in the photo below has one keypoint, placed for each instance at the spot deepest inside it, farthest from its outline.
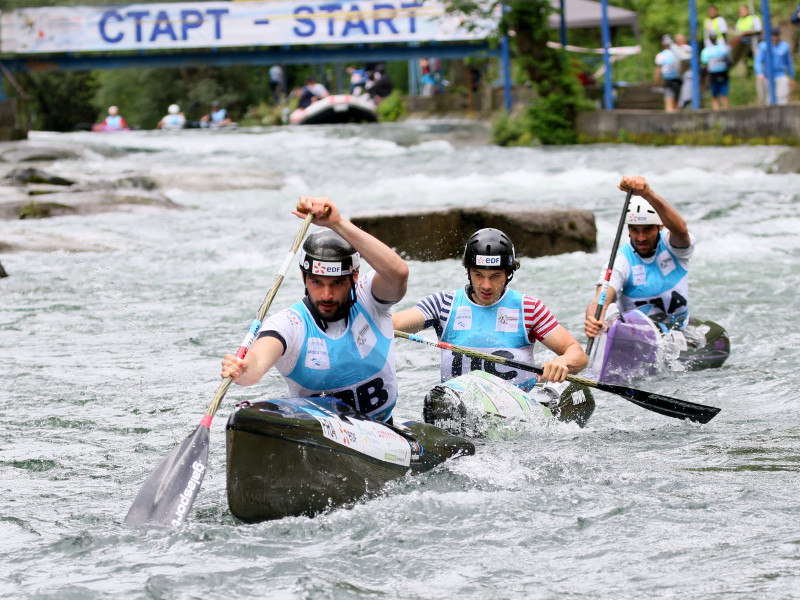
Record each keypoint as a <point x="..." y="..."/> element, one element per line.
<point x="782" y="69"/>
<point x="338" y="340"/>
<point x="716" y="59"/>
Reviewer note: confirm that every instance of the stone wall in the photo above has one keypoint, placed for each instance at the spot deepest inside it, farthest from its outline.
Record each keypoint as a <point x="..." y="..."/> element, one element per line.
<point x="767" y="123"/>
<point x="440" y="234"/>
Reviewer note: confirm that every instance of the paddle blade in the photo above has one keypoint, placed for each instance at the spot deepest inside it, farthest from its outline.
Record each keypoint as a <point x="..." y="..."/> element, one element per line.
<point x="169" y="491"/>
<point x="664" y="405"/>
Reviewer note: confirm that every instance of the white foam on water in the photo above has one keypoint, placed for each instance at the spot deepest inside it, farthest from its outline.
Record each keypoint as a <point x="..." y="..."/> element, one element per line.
<point x="112" y="356"/>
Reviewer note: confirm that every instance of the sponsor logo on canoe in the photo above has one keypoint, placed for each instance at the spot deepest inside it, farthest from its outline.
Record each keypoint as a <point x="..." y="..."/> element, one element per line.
<point x="189" y="492"/>
<point x="578" y="397"/>
<point x="332" y="269"/>
<point x="451" y="425"/>
<point x="488" y="261"/>
<point x="416" y="450"/>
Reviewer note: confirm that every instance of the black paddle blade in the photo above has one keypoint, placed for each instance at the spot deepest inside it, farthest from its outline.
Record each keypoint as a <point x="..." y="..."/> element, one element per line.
<point x="168" y="494"/>
<point x="664" y="405"/>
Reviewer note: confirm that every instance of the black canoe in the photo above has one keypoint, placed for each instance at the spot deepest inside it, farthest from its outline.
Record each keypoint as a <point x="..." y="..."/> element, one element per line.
<point x="302" y="456"/>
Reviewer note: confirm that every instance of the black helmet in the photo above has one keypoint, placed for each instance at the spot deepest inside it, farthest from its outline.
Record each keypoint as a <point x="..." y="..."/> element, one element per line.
<point x="327" y="253"/>
<point x="490" y="249"/>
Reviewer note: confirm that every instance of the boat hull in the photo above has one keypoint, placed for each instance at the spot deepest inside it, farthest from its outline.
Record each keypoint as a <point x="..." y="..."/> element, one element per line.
<point x="303" y="456"/>
<point x="481" y="405"/>
<point x="336" y="109"/>
<point x="633" y="345"/>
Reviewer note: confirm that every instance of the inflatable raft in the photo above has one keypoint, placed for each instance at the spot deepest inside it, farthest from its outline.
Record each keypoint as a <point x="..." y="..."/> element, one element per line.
<point x="302" y="456"/>
<point x="632" y="345"/>
<point x="337" y="108"/>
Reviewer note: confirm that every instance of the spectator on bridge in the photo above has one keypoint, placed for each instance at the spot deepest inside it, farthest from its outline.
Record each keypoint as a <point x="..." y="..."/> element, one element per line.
<point x="174" y="119"/>
<point x="218" y="117"/>
<point x="358" y="77"/>
<point x="311" y="92"/>
<point x="379" y="86"/>
<point x="428" y="84"/>
<point x="276" y="83"/>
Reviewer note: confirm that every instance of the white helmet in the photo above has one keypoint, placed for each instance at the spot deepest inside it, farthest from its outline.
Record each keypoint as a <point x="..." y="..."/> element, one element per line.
<point x="174" y="109"/>
<point x="641" y="213"/>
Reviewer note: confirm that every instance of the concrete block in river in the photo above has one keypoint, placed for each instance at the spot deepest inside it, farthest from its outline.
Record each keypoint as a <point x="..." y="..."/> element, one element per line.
<point x="439" y="234"/>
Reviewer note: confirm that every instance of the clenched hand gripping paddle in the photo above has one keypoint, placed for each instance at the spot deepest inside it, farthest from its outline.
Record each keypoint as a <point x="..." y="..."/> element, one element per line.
<point x="664" y="405"/>
<point x="601" y="301"/>
<point x="168" y="493"/>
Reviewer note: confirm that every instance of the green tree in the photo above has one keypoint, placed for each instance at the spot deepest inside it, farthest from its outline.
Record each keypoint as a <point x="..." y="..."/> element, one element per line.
<point x="60" y="100"/>
<point x="143" y="95"/>
<point x="552" y="114"/>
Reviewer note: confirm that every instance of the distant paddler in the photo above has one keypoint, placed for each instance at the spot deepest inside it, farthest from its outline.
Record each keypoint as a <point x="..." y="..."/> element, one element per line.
<point x="651" y="271"/>
<point x="112" y="122"/>
<point x="174" y="119"/>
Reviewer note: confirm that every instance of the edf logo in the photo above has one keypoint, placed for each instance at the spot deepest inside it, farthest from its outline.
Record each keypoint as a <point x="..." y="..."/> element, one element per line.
<point x="326" y="268"/>
<point x="487" y="261"/>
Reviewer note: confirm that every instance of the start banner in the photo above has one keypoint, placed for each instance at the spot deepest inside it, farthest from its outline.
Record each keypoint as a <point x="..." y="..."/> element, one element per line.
<point x="57" y="29"/>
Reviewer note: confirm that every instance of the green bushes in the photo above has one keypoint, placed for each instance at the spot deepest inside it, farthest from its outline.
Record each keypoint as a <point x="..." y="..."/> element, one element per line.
<point x="392" y="108"/>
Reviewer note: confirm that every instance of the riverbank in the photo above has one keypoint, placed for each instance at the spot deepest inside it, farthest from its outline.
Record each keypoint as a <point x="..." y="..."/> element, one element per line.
<point x="737" y="126"/>
<point x="747" y="125"/>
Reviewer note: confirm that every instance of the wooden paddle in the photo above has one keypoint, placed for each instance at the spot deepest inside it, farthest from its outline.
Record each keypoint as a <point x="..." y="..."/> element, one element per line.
<point x="664" y="405"/>
<point x="168" y="493"/>
<point x="604" y="290"/>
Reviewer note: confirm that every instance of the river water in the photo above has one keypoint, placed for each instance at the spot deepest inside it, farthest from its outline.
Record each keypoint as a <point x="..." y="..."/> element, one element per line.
<point x="111" y="350"/>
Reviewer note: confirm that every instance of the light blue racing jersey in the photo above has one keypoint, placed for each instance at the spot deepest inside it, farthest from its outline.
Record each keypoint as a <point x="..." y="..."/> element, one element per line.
<point x="218" y="116"/>
<point x="498" y="329"/>
<point x="357" y="367"/>
<point x="113" y="122"/>
<point x="657" y="286"/>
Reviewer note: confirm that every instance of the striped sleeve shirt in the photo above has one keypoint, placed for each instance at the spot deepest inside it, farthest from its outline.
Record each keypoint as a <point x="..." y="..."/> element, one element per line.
<point x="539" y="321"/>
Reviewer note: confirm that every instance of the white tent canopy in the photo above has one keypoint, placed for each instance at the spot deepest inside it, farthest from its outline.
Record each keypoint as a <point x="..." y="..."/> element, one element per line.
<point x="587" y="13"/>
